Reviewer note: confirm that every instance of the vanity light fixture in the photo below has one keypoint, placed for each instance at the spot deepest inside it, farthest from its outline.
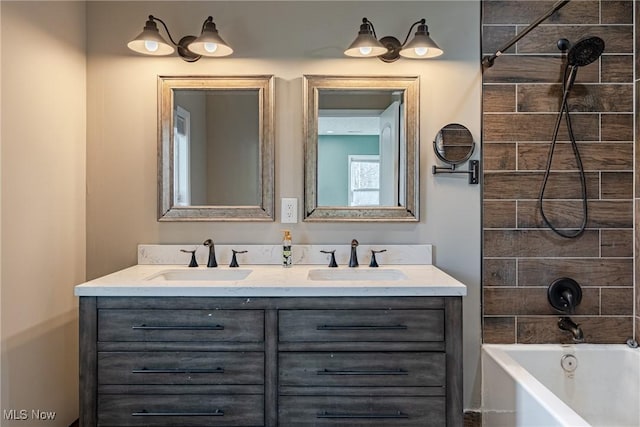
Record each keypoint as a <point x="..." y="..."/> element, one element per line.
<point x="190" y="48"/>
<point x="389" y="48"/>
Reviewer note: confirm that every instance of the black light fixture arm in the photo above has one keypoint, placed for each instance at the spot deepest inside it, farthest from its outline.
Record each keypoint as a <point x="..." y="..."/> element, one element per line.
<point x="366" y="22"/>
<point x="153" y="18"/>
<point x="421" y="22"/>
<point x="206" y="21"/>
<point x="488" y="60"/>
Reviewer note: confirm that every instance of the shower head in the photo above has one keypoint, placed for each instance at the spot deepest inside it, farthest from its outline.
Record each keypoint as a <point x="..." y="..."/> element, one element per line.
<point x="585" y="51"/>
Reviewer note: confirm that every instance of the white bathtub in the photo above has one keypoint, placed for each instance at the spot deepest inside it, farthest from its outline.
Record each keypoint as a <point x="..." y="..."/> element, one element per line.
<point x="524" y="385"/>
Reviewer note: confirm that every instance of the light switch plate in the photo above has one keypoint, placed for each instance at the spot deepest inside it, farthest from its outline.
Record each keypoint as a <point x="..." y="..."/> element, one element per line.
<point x="289" y="210"/>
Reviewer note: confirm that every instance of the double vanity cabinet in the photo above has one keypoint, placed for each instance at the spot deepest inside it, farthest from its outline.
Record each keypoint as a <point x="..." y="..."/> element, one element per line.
<point x="367" y="355"/>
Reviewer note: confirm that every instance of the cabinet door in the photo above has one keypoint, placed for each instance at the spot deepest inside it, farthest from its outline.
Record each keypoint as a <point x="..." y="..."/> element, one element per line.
<point x="361" y="325"/>
<point x="180" y="325"/>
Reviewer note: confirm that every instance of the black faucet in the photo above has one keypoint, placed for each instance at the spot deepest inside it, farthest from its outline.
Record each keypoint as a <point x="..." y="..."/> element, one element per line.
<point x="212" y="253"/>
<point x="566" y="324"/>
<point x="353" y="260"/>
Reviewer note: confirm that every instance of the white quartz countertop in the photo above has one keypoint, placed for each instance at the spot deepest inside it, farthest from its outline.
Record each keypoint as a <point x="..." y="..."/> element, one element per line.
<point x="276" y="281"/>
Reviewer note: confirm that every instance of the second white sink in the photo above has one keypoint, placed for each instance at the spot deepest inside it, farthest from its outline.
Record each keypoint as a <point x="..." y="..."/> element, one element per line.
<point x="371" y="274"/>
<point x="210" y="274"/>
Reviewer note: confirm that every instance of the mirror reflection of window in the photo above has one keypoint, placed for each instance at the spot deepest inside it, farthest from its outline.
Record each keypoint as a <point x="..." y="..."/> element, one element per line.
<point x="181" y="163"/>
<point x="364" y="180"/>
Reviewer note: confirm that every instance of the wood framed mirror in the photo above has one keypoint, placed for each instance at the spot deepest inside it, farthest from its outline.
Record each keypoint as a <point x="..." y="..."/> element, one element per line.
<point x="216" y="148"/>
<point x="361" y="148"/>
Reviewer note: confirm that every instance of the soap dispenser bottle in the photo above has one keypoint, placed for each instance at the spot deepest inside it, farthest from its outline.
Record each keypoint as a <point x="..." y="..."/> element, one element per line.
<point x="286" y="249"/>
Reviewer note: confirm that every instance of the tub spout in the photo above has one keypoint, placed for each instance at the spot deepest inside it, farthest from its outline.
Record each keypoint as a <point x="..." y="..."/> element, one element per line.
<point x="566" y="324"/>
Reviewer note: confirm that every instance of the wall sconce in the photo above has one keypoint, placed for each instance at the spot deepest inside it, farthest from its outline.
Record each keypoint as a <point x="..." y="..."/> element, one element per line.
<point x="190" y="48"/>
<point x="389" y="48"/>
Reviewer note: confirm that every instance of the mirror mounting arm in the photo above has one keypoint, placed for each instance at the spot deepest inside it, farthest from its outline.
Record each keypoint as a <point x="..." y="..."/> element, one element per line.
<point x="474" y="170"/>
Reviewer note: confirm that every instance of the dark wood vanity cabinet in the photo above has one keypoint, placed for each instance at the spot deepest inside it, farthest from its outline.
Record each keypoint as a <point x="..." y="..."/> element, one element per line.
<point x="325" y="361"/>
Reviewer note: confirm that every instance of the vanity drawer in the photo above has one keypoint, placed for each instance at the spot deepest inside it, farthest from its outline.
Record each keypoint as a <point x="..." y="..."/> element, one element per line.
<point x="363" y="411"/>
<point x="358" y="369"/>
<point x="181" y="410"/>
<point x="361" y="325"/>
<point x="180" y="368"/>
<point x="181" y="325"/>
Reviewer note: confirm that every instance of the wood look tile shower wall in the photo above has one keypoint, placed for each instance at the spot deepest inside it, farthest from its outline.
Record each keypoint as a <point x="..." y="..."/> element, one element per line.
<point x="521" y="98"/>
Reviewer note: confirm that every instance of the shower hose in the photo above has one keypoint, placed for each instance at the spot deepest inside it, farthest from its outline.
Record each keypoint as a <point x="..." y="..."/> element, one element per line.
<point x="567" y="83"/>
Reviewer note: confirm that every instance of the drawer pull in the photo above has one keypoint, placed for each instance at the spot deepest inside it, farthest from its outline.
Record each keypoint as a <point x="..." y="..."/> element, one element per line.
<point x="145" y="413"/>
<point x="179" y="328"/>
<point x="397" y="414"/>
<point x="363" y="372"/>
<point x="178" y="371"/>
<point x="360" y="327"/>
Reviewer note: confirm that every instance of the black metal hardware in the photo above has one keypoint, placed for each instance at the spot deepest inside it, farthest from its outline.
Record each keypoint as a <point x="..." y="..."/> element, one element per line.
<point x="179" y="328"/>
<point x="397" y="414"/>
<point x="353" y="260"/>
<point x="211" y="262"/>
<point x="193" y="262"/>
<point x="360" y="327"/>
<point x="474" y="171"/>
<point x="178" y="371"/>
<point x="564" y="294"/>
<point x="487" y="61"/>
<point x="374" y="262"/>
<point x="362" y="372"/>
<point x="145" y="413"/>
<point x="234" y="261"/>
<point x="333" y="262"/>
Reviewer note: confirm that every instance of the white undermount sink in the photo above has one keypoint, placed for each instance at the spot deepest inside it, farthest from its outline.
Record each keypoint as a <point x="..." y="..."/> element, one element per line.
<point x="371" y="274"/>
<point x="210" y="274"/>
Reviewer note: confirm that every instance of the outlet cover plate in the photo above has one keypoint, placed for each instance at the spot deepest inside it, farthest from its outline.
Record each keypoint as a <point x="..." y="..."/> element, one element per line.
<point x="289" y="211"/>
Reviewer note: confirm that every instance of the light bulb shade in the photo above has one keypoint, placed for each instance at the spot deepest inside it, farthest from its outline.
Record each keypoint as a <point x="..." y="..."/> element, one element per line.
<point x="210" y="43"/>
<point x="365" y="45"/>
<point x="421" y="46"/>
<point x="150" y="42"/>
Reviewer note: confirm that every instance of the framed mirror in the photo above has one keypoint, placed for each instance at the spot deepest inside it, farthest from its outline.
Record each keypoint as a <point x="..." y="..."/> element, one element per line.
<point x="361" y="148"/>
<point x="216" y="148"/>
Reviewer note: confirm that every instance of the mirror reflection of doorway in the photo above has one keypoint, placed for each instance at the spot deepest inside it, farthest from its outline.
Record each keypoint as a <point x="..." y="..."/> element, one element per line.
<point x="181" y="162"/>
<point x="389" y="154"/>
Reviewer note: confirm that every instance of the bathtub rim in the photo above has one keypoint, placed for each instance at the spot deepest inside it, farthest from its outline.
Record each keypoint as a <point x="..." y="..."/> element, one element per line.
<point x="545" y="397"/>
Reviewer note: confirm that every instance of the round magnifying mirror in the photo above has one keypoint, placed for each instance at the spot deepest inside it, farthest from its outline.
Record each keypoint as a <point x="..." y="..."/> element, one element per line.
<point x="454" y="144"/>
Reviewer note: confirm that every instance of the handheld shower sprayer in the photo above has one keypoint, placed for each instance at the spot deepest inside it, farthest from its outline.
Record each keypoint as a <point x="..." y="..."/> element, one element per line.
<point x="582" y="53"/>
<point x="585" y="51"/>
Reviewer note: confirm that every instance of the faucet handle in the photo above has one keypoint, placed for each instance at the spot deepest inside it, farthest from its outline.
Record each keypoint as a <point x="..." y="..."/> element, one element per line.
<point x="193" y="262"/>
<point x="374" y="262"/>
<point x="333" y="262"/>
<point x="234" y="261"/>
